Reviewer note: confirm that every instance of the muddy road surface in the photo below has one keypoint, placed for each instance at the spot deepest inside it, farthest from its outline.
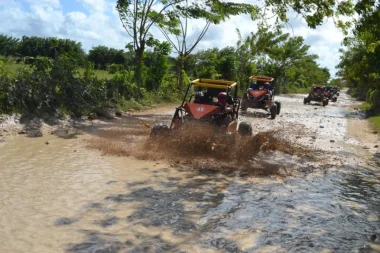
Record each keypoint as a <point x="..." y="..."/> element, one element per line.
<point x="309" y="182"/>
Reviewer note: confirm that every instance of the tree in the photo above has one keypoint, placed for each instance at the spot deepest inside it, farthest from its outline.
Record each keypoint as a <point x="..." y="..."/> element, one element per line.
<point x="8" y="45"/>
<point x="138" y="17"/>
<point x="186" y="12"/>
<point x="157" y="64"/>
<point x="360" y="60"/>
<point x="50" y="47"/>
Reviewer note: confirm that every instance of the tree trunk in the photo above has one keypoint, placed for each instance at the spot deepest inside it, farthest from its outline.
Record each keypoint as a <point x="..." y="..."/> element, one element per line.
<point x="138" y="73"/>
<point x="181" y="59"/>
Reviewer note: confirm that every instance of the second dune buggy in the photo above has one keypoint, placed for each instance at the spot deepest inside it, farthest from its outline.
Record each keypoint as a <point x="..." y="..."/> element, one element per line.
<point x="261" y="95"/>
<point x="317" y="94"/>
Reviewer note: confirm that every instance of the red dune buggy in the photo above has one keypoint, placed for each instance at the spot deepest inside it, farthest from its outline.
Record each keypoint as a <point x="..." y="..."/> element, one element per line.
<point x="330" y="93"/>
<point x="260" y="95"/>
<point x="212" y="103"/>
<point x="336" y="90"/>
<point x="318" y="94"/>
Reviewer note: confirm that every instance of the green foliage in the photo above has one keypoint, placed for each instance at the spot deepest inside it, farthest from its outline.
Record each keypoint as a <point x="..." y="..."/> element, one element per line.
<point x="365" y="107"/>
<point x="115" y="68"/>
<point x="157" y="66"/>
<point x="50" y="47"/>
<point x="55" y="86"/>
<point x="375" y="122"/>
<point x="359" y="65"/>
<point x="8" y="45"/>
<point x="292" y="89"/>
<point x="103" y="57"/>
<point x="171" y="17"/>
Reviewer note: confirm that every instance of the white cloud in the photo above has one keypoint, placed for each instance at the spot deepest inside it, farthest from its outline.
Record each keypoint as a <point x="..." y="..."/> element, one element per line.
<point x="100" y="25"/>
<point x="94" y="5"/>
<point x="51" y="3"/>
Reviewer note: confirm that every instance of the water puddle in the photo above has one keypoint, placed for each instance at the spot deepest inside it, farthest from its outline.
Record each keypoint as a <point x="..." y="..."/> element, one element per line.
<point x="58" y="196"/>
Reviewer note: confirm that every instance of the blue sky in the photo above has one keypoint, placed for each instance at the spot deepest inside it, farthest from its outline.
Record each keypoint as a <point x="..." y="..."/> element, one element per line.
<point x="96" y="22"/>
<point x="72" y="5"/>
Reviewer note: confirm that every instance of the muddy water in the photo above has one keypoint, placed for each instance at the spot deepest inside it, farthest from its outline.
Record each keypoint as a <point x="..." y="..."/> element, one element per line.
<point x="61" y="197"/>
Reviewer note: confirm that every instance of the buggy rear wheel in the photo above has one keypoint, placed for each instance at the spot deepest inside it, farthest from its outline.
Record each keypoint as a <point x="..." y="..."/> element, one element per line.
<point x="278" y="107"/>
<point x="273" y="111"/>
<point x="245" y="128"/>
<point x="305" y="101"/>
<point x="325" y="102"/>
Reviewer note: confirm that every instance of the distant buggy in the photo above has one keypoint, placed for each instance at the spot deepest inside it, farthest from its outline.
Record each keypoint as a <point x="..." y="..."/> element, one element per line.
<point x="317" y="94"/>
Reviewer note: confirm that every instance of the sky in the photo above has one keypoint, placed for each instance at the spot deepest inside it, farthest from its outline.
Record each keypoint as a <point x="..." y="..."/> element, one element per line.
<point x="96" y="22"/>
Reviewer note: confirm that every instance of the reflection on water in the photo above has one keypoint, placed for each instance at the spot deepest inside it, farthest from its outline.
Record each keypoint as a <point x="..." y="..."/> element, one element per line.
<point x="59" y="197"/>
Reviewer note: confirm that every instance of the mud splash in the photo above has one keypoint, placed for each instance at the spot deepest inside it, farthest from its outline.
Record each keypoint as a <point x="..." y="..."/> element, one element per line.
<point x="265" y="153"/>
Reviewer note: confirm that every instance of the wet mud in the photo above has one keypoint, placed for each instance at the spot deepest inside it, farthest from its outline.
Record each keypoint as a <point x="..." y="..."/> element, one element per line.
<point x="202" y="147"/>
<point x="302" y="183"/>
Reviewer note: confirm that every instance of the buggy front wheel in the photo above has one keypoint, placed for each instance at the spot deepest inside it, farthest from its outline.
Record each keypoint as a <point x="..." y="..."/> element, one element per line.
<point x="159" y="130"/>
<point x="245" y="128"/>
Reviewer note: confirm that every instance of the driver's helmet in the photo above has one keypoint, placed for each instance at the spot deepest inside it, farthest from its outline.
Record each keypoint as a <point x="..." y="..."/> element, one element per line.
<point x="222" y="98"/>
<point x="266" y="85"/>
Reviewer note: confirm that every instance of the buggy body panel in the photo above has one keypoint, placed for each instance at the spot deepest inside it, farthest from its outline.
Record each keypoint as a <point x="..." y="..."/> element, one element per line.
<point x="198" y="111"/>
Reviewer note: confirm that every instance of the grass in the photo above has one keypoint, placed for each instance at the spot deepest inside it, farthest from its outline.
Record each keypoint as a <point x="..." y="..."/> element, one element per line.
<point x="365" y="106"/>
<point x="12" y="67"/>
<point x="375" y="122"/>
<point x="146" y="103"/>
<point x="295" y="90"/>
<point x="101" y="74"/>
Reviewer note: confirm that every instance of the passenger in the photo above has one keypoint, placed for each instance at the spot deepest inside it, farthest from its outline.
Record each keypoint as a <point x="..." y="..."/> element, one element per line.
<point x="199" y="97"/>
<point x="254" y="86"/>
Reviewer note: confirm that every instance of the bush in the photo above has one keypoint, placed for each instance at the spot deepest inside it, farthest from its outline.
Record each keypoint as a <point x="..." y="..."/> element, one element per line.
<point x="365" y="106"/>
<point x="115" y="68"/>
<point x="56" y="86"/>
<point x="375" y="122"/>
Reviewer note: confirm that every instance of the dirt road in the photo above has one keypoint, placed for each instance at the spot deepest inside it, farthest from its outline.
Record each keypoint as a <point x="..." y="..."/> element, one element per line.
<point x="323" y="196"/>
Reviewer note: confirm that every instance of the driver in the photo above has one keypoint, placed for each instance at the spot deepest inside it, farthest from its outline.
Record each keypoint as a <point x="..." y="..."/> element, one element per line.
<point x="266" y="86"/>
<point x="222" y="98"/>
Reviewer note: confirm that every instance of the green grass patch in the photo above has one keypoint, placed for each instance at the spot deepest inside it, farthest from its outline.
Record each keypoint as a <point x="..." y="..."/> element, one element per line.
<point x="365" y="106"/>
<point x="150" y="100"/>
<point x="295" y="90"/>
<point x="101" y="74"/>
<point x="375" y="122"/>
<point x="12" y="67"/>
